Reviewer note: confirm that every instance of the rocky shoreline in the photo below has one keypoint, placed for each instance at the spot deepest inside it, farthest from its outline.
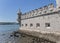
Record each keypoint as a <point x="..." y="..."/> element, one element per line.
<point x="23" y="36"/>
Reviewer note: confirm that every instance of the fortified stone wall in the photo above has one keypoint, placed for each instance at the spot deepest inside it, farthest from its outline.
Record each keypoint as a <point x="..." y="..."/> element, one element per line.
<point x="53" y="19"/>
<point x="42" y="34"/>
<point x="39" y="11"/>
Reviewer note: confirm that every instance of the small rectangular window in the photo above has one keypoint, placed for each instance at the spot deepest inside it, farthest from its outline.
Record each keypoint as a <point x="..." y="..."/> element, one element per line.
<point x="37" y="25"/>
<point x="47" y="24"/>
<point x="31" y="25"/>
<point x="22" y="25"/>
<point x="25" y="24"/>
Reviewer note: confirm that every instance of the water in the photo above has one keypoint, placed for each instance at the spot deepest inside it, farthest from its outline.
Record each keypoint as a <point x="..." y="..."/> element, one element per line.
<point x="5" y="31"/>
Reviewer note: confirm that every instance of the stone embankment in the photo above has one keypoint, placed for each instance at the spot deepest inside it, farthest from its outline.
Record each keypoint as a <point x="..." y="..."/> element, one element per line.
<point x="25" y="36"/>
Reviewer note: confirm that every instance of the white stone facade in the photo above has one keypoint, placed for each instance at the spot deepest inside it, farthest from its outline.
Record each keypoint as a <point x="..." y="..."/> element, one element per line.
<point x="46" y="18"/>
<point x="43" y="22"/>
<point x="53" y="19"/>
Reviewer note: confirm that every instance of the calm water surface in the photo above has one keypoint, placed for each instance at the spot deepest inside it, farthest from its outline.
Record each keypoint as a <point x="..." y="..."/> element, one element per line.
<point x="5" y="31"/>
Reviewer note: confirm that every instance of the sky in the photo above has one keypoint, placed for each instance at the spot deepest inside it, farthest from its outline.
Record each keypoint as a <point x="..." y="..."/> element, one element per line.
<point x="9" y="8"/>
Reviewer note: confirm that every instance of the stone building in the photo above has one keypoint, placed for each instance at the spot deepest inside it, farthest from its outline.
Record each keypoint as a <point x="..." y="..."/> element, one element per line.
<point x="45" y="19"/>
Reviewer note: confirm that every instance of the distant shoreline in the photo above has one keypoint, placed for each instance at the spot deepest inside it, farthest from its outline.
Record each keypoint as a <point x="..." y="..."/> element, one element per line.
<point x="8" y="23"/>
